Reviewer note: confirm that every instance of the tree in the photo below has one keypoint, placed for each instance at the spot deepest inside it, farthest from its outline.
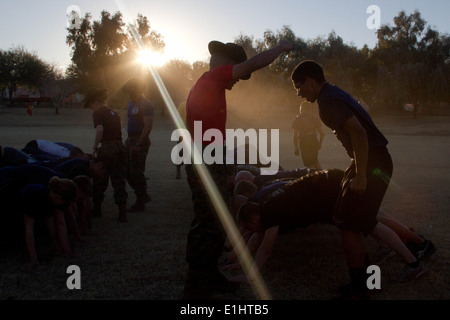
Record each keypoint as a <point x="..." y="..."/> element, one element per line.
<point x="414" y="55"/>
<point x="104" y="52"/>
<point x="58" y="86"/>
<point x="18" y="67"/>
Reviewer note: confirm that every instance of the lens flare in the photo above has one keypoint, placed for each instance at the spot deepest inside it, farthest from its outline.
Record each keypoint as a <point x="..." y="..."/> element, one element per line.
<point x="148" y="58"/>
<point x="223" y="213"/>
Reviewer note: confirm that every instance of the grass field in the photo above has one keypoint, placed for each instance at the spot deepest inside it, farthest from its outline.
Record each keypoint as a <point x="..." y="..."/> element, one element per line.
<point x="144" y="259"/>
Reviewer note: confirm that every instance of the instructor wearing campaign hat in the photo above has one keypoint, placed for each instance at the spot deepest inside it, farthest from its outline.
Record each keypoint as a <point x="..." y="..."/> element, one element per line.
<point x="207" y="103"/>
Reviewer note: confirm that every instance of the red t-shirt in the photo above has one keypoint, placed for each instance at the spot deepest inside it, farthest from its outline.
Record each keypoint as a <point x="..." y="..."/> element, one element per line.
<point x="110" y="120"/>
<point x="207" y="102"/>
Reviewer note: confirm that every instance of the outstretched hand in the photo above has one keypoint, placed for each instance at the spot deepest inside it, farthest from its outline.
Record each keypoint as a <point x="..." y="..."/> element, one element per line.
<point x="286" y="45"/>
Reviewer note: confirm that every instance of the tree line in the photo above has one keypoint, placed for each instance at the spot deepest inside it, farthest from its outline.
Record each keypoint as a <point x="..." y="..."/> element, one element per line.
<point x="409" y="64"/>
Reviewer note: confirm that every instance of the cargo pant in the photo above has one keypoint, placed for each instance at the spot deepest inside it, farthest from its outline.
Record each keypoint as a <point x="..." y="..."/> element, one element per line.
<point x="112" y="155"/>
<point x="136" y="166"/>
<point x="206" y="236"/>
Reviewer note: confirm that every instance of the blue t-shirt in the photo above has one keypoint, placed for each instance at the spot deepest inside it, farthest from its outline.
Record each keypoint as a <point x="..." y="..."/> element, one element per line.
<point x="336" y="107"/>
<point x="136" y="114"/>
<point x="267" y="193"/>
<point x="73" y="167"/>
<point x="13" y="179"/>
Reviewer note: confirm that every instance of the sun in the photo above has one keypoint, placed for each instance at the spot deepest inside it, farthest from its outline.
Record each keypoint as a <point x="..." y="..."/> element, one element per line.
<point x="150" y="58"/>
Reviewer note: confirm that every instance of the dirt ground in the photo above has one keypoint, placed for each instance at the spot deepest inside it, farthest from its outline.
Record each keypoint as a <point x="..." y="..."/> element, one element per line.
<point x="144" y="259"/>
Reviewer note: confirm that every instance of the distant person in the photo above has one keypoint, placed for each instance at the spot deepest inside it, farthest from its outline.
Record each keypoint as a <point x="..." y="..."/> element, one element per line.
<point x="365" y="181"/>
<point x="140" y="125"/>
<point x="308" y="135"/>
<point x="108" y="149"/>
<point x="207" y="103"/>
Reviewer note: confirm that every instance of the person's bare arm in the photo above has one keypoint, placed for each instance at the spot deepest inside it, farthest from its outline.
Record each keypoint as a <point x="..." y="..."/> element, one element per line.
<point x="72" y="223"/>
<point x="263" y="252"/>
<point x="98" y="138"/>
<point x="265" y="249"/>
<point x="296" y="151"/>
<point x="61" y="231"/>
<point x="50" y="224"/>
<point x="321" y="134"/>
<point x="29" y="239"/>
<point x="361" y="152"/>
<point x="260" y="60"/>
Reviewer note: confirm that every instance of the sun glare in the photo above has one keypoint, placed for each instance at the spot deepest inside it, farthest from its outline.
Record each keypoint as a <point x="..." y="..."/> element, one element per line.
<point x="150" y="58"/>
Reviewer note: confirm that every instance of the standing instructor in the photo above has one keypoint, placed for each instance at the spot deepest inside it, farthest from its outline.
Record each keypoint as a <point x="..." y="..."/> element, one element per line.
<point x="207" y="103"/>
<point x="140" y="124"/>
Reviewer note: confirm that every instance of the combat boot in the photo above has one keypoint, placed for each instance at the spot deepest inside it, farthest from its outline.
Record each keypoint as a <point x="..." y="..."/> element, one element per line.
<point x="123" y="213"/>
<point x="139" y="206"/>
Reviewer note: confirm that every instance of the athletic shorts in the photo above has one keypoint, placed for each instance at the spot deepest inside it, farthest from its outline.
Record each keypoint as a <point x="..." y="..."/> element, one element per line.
<point x="358" y="212"/>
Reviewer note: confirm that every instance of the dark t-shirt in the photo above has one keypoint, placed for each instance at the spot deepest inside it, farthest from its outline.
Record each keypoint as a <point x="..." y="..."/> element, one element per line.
<point x="302" y="202"/>
<point x="207" y="101"/>
<point x="336" y="107"/>
<point x="136" y="114"/>
<point x="34" y="201"/>
<point x="73" y="167"/>
<point x="110" y="120"/>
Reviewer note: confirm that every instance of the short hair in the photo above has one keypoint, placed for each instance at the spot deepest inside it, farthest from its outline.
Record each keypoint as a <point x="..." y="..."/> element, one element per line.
<point x="133" y="85"/>
<point x="244" y="175"/>
<point x="65" y="188"/>
<point x="310" y="69"/>
<point x="245" y="188"/>
<point x="247" y="211"/>
<point x="95" y="95"/>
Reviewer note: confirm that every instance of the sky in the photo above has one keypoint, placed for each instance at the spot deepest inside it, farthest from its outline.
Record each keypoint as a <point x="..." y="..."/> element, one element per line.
<point x="188" y="26"/>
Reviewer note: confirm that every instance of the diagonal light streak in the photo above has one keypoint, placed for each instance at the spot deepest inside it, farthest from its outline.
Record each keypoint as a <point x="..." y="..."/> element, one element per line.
<point x="245" y="259"/>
